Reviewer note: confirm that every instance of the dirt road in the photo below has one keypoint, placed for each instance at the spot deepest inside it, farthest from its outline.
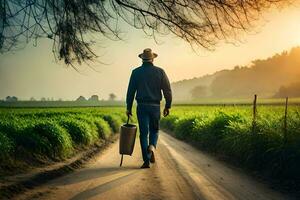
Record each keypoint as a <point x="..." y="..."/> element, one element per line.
<point x="180" y="172"/>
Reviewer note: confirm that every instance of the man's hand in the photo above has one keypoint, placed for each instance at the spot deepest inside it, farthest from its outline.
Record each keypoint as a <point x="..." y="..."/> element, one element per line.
<point x="128" y="113"/>
<point x="166" y="112"/>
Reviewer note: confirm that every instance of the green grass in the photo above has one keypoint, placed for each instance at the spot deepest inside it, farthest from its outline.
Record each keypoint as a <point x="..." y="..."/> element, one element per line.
<point x="227" y="131"/>
<point x="79" y="131"/>
<point x="56" y="133"/>
<point x="103" y="127"/>
<point x="6" y="146"/>
<point x="237" y="101"/>
<point x="28" y="135"/>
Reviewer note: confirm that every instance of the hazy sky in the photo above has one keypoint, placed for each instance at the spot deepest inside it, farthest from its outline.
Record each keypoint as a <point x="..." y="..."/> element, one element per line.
<point x="33" y="72"/>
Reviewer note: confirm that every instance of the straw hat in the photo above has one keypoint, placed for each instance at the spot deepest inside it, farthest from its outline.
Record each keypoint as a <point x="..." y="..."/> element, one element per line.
<point x="147" y="54"/>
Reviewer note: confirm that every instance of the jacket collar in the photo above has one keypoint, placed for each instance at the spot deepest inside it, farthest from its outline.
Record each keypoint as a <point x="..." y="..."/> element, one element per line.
<point x="147" y="64"/>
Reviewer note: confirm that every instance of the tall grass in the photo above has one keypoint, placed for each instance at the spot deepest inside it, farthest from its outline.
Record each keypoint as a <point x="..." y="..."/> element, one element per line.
<point x="6" y="147"/>
<point x="227" y="131"/>
<point x="53" y="134"/>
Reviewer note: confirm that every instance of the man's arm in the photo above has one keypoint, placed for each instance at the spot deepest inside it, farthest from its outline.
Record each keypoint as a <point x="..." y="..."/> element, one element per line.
<point x="130" y="93"/>
<point x="166" y="88"/>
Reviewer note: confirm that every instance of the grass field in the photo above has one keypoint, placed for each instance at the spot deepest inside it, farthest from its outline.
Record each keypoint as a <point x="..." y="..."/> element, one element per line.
<point x="29" y="135"/>
<point x="228" y="131"/>
<point x="239" y="101"/>
<point x="34" y="135"/>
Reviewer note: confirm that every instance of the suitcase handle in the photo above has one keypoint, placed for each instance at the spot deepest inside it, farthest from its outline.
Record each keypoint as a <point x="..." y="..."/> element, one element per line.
<point x="128" y="116"/>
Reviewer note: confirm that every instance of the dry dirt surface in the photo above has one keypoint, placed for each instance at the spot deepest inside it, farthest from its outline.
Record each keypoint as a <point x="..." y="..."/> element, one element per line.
<point x="180" y="172"/>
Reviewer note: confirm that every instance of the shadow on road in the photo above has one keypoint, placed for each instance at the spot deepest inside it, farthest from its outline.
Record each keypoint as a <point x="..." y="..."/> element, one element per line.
<point x="108" y="185"/>
<point x="93" y="173"/>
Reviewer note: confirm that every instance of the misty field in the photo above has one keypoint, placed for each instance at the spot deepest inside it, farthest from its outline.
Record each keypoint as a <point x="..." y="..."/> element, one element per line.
<point x="266" y="145"/>
<point x="31" y="136"/>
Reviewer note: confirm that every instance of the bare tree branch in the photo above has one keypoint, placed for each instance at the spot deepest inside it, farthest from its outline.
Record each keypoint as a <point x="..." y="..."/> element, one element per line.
<point x="68" y="22"/>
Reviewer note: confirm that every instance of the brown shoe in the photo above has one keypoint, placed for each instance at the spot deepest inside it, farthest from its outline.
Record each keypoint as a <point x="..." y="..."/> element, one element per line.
<point x="150" y="151"/>
<point x="145" y="165"/>
<point x="152" y="158"/>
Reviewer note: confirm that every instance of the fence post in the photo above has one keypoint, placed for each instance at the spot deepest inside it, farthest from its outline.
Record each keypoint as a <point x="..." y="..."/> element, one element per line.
<point x="254" y="114"/>
<point x="285" y="120"/>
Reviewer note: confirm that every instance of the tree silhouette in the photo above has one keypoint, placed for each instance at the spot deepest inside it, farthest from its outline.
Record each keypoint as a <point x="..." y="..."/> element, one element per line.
<point x="199" y="92"/>
<point x="81" y="98"/>
<point x="94" y="98"/>
<point x="68" y="23"/>
<point x="291" y="90"/>
<point x="11" y="99"/>
<point x="112" y="97"/>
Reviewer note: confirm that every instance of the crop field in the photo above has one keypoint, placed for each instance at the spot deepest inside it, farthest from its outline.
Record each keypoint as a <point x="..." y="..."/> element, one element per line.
<point x="266" y="144"/>
<point x="34" y="135"/>
<point x="238" y="101"/>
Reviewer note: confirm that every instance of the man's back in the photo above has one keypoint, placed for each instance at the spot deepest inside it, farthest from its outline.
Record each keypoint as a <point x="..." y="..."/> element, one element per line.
<point x="148" y="81"/>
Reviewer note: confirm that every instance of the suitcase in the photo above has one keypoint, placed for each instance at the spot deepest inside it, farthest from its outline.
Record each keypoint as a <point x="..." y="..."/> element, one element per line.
<point x="127" y="139"/>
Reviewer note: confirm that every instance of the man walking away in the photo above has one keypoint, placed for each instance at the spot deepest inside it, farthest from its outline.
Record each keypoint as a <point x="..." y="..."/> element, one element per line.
<point x="147" y="82"/>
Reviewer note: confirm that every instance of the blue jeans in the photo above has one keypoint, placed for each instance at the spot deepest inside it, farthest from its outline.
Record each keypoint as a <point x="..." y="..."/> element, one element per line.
<point x="148" y="117"/>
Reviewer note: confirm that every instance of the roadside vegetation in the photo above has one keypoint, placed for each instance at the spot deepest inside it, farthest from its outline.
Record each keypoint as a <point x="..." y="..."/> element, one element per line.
<point x="31" y="137"/>
<point x="265" y="146"/>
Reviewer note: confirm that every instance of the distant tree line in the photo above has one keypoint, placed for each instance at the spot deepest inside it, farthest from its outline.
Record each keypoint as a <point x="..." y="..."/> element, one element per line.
<point x="95" y="98"/>
<point x="81" y="101"/>
<point x="290" y="90"/>
<point x="277" y="76"/>
<point x="11" y="99"/>
<point x="112" y="97"/>
<point x="92" y="98"/>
